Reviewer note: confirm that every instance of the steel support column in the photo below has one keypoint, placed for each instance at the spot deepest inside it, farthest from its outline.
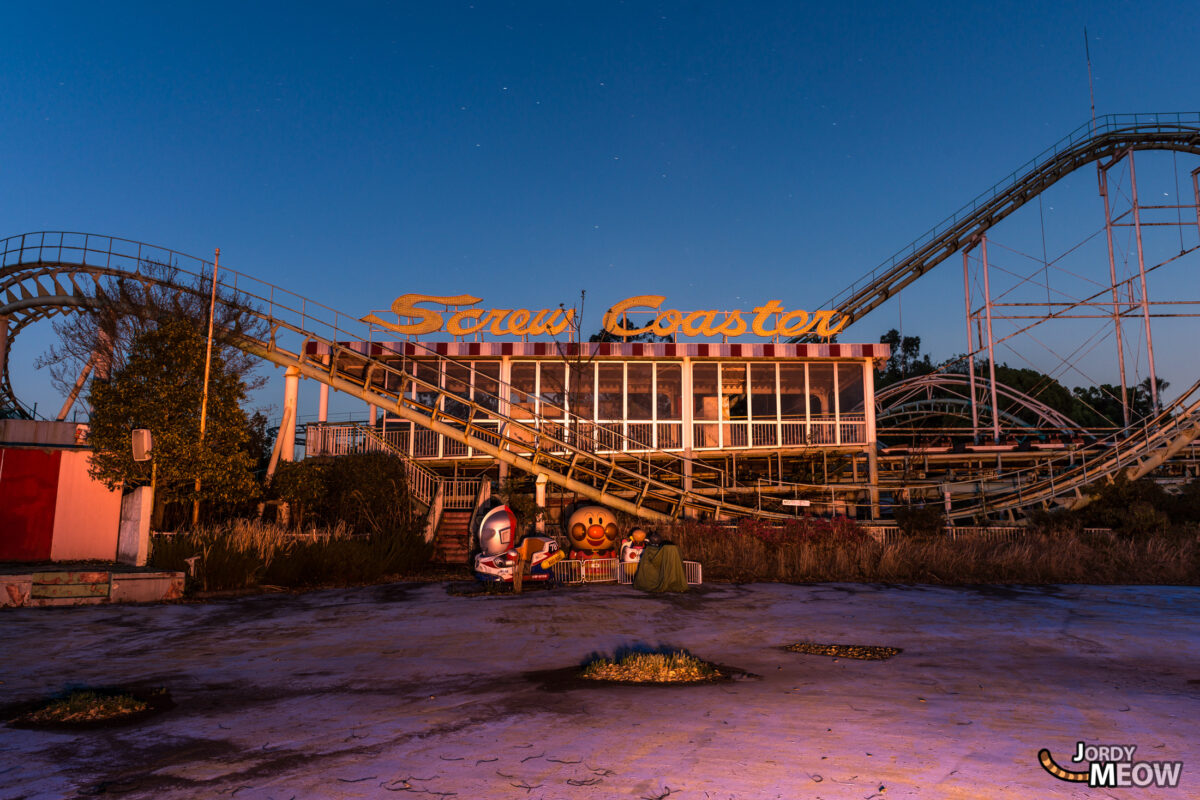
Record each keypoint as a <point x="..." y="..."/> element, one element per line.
<point x="1137" y="227"/>
<point x="1102" y="176"/>
<point x="323" y="396"/>
<point x="3" y="338"/>
<point x="74" y="393"/>
<point x="1196" y="195"/>
<point x="970" y="350"/>
<point x="991" y="342"/>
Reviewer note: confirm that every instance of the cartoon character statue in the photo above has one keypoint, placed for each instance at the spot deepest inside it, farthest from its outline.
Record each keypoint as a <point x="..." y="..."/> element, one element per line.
<point x="593" y="533"/>
<point x="499" y="553"/>
<point x="631" y="550"/>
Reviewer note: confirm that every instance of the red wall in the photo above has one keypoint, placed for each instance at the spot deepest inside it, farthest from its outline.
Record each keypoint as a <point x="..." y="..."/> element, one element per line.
<point x="28" y="489"/>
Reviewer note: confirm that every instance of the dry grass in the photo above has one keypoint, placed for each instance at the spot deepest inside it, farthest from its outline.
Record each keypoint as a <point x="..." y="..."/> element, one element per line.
<point x="677" y="667"/>
<point x="805" y="553"/>
<point x="86" y="706"/>
<point x="862" y="652"/>
<point x="245" y="553"/>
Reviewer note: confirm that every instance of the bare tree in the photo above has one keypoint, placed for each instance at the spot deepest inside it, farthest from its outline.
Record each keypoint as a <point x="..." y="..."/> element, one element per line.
<point x="95" y="342"/>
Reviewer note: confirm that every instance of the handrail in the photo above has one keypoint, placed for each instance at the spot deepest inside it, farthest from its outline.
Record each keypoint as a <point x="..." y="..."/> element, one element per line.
<point x="424" y="479"/>
<point x="301" y="311"/>
<point x="35" y="267"/>
<point x="41" y="273"/>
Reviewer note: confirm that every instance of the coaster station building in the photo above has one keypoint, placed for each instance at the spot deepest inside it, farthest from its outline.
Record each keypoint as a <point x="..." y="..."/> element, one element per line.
<point x="761" y="421"/>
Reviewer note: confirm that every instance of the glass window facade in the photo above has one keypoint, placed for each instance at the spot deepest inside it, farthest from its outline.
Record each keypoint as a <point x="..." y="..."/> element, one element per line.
<point x="643" y="404"/>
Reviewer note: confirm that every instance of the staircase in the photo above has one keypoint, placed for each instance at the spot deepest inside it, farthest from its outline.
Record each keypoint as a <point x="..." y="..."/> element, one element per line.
<point x="450" y="543"/>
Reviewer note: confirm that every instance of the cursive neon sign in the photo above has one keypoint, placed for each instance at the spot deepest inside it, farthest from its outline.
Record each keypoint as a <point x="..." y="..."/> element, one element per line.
<point x="770" y="319"/>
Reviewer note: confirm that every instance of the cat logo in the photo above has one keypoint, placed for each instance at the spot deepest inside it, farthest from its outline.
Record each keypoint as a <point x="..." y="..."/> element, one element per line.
<point x="1112" y="766"/>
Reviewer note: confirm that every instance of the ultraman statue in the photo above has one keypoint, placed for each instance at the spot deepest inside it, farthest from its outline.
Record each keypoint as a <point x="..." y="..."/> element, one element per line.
<point x="499" y="550"/>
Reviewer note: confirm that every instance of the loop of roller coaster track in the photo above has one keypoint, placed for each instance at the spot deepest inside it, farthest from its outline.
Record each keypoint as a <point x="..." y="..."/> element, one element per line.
<point x="45" y="273"/>
<point x="41" y="275"/>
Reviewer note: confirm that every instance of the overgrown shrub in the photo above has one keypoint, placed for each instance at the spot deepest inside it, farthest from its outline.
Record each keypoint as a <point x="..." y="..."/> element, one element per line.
<point x="366" y="491"/>
<point x="925" y="521"/>
<point x="1131" y="508"/>
<point x="519" y="494"/>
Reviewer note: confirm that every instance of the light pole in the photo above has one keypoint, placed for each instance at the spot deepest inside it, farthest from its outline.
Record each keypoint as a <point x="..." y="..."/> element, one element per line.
<point x="212" y="310"/>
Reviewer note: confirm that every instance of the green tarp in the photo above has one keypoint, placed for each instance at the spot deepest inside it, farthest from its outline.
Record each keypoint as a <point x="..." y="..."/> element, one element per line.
<point x="661" y="570"/>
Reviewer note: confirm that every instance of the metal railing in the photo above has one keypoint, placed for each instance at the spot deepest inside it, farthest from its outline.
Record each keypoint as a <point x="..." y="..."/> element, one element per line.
<point x="340" y="439"/>
<point x="892" y="534"/>
<point x="380" y="375"/>
<point x="1089" y="142"/>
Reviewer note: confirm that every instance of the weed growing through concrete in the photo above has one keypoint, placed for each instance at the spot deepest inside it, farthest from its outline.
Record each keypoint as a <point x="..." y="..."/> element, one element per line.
<point x="86" y="706"/>
<point x="863" y="652"/>
<point x="677" y="667"/>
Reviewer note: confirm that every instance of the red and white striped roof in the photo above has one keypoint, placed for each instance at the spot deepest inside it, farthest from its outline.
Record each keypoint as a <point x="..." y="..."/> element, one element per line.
<point x="609" y="350"/>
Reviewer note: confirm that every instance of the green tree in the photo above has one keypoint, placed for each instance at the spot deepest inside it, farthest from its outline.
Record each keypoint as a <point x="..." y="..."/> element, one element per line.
<point x="159" y="387"/>
<point x="905" y="361"/>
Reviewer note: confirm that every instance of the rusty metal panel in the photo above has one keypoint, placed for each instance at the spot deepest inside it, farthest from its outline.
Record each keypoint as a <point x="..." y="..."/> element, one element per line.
<point x="49" y="585"/>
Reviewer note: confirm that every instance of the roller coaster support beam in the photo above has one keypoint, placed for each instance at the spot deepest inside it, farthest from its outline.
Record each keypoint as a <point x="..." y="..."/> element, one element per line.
<point x="323" y="397"/>
<point x="291" y="395"/>
<point x="872" y="450"/>
<point x="1196" y="195"/>
<point x="1102" y="176"/>
<point x="77" y="388"/>
<point x="3" y="338"/>
<point x="1137" y="227"/>
<point x="1109" y="137"/>
<point x="970" y="351"/>
<point x="991" y="342"/>
<point x="499" y="453"/>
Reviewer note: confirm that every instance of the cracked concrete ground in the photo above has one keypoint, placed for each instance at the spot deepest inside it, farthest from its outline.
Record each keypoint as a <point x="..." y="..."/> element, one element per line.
<point x="400" y="690"/>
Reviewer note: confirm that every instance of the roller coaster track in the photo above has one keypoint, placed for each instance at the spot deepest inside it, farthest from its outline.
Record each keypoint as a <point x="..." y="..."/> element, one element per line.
<point x="43" y="274"/>
<point x="1109" y="137"/>
<point x="948" y="394"/>
<point x="1137" y="451"/>
<point x="48" y="273"/>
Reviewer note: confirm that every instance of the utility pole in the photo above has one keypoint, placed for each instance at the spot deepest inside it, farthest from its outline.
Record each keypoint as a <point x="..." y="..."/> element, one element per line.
<point x="212" y="310"/>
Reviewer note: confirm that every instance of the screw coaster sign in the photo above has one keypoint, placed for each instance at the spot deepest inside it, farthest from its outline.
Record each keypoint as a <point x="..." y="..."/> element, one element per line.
<point x="768" y="320"/>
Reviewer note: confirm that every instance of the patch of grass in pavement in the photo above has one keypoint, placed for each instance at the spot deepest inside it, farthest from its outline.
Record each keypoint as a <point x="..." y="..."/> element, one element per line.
<point x="863" y="652"/>
<point x="676" y="667"/>
<point x="86" y="706"/>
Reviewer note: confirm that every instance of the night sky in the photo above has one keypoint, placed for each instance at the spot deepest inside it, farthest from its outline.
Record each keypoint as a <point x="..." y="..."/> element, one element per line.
<point x="721" y="154"/>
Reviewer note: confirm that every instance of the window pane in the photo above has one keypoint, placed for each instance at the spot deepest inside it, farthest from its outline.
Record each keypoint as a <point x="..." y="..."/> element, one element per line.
<point x="670" y="391"/>
<point x="487" y="384"/>
<point x="762" y="391"/>
<point x="640" y="396"/>
<point x="554" y="389"/>
<point x="850" y="388"/>
<point x="522" y="381"/>
<point x="583" y="377"/>
<point x="458" y="383"/>
<point x="611" y="391"/>
<point x="426" y="371"/>
<point x="733" y="391"/>
<point x="705" y="399"/>
<point x="820" y="388"/>
<point x="791" y="391"/>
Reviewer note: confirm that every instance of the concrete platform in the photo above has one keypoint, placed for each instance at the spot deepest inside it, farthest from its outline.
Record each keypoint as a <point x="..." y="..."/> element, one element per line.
<point x="374" y="692"/>
<point x="67" y="585"/>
